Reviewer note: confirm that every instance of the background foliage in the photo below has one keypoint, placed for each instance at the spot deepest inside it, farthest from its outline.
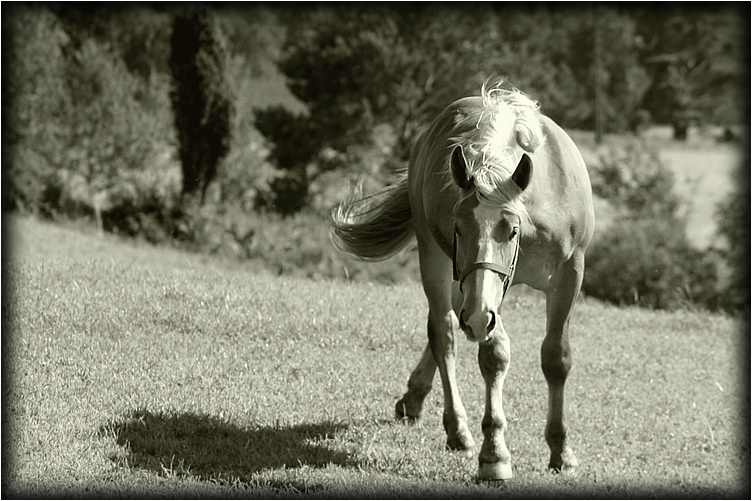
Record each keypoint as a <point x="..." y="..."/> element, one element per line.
<point x="326" y="97"/>
<point x="200" y="98"/>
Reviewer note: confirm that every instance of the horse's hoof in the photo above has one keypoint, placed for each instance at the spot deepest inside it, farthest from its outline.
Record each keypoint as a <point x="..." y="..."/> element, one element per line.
<point x="566" y="463"/>
<point x="462" y="444"/>
<point x="401" y="413"/>
<point x="464" y="451"/>
<point x="406" y="419"/>
<point x="495" y="471"/>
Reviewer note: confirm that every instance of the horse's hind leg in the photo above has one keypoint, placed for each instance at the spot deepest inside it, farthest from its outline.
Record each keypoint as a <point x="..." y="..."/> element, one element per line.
<point x="556" y="359"/>
<point x="410" y="406"/>
<point x="443" y="329"/>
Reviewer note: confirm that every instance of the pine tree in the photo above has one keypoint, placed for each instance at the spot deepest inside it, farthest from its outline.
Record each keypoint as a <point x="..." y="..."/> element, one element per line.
<point x="200" y="98"/>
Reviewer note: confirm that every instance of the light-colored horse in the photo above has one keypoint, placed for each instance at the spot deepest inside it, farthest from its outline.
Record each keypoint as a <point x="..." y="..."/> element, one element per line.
<point x="496" y="194"/>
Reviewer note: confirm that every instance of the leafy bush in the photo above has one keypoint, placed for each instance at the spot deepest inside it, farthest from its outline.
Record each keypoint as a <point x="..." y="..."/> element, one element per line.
<point x="649" y="262"/>
<point x="292" y="143"/>
<point x="633" y="179"/>
<point x="37" y="133"/>
<point x="733" y="228"/>
<point x="296" y="245"/>
<point x="117" y="139"/>
<point x="643" y="257"/>
<point x="88" y="136"/>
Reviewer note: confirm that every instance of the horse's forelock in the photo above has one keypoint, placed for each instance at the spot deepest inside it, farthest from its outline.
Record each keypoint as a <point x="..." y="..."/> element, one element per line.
<point x="503" y="193"/>
<point x="506" y="118"/>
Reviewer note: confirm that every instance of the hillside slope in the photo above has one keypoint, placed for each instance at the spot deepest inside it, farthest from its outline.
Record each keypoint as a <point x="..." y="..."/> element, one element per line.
<point x="145" y="371"/>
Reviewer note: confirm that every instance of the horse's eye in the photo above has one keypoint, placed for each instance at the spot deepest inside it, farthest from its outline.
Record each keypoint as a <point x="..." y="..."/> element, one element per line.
<point x="514" y="233"/>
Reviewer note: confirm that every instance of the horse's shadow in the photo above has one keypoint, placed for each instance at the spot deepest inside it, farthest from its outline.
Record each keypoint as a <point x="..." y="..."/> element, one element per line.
<point x="207" y="447"/>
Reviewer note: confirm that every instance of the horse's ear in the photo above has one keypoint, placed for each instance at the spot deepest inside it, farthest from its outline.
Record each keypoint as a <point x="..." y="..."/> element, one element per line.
<point x="524" y="172"/>
<point x="460" y="172"/>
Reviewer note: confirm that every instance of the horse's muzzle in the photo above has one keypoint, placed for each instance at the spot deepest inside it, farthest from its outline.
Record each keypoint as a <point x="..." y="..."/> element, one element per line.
<point x="479" y="326"/>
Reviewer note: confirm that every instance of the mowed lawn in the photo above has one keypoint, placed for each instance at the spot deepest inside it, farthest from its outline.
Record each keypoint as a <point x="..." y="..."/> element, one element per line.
<point x="135" y="371"/>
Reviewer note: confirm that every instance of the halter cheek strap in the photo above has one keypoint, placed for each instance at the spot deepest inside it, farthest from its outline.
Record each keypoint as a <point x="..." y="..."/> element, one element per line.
<point x="506" y="272"/>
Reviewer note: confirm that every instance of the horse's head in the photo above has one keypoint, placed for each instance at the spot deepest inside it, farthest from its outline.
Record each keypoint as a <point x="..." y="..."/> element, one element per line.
<point x="486" y="244"/>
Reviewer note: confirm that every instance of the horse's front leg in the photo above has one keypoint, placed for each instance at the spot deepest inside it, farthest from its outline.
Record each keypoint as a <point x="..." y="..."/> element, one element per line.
<point x="494" y="461"/>
<point x="556" y="358"/>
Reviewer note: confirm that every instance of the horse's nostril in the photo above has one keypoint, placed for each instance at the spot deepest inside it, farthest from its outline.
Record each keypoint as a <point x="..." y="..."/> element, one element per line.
<point x="463" y="325"/>
<point x="491" y="321"/>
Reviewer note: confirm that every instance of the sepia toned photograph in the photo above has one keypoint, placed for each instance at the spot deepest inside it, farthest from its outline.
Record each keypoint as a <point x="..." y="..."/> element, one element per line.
<point x="375" y="250"/>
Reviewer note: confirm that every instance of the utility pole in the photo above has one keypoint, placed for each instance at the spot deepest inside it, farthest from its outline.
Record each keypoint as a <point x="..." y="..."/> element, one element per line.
<point x="598" y="112"/>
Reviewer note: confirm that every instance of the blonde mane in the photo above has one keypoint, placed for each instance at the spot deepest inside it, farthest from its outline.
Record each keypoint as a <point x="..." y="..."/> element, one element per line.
<point x="493" y="140"/>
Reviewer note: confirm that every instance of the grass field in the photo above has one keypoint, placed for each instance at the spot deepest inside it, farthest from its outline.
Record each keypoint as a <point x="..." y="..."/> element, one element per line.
<point x="136" y="371"/>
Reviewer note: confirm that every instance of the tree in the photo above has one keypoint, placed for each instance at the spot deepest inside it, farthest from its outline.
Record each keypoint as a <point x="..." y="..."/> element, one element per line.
<point x="377" y="74"/>
<point x="253" y="39"/>
<point x="34" y="125"/>
<point x="200" y="98"/>
<point x="612" y="75"/>
<point x="139" y="35"/>
<point x="368" y="76"/>
<point x="86" y="131"/>
<point x="692" y="56"/>
<point x="531" y="46"/>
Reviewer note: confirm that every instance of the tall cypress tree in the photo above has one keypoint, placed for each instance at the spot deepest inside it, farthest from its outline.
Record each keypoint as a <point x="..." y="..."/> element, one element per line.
<point x="200" y="98"/>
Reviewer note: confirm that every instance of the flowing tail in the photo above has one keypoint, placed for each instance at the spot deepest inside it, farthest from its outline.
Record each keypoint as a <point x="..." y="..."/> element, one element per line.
<point x="375" y="227"/>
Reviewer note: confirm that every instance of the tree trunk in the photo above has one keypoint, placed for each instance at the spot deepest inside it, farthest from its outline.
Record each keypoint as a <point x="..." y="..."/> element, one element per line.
<point x="680" y="132"/>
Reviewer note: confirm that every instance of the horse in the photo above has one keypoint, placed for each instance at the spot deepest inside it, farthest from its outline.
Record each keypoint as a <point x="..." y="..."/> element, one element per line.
<point x="496" y="194"/>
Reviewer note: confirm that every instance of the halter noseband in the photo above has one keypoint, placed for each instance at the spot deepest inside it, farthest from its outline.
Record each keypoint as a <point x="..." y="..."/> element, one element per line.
<point x="506" y="272"/>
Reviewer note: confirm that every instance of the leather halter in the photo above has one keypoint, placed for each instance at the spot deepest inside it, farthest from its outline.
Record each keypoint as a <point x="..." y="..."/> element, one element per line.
<point x="507" y="273"/>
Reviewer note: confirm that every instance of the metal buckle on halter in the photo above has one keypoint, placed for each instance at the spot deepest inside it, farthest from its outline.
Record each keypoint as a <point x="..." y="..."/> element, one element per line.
<point x="506" y="272"/>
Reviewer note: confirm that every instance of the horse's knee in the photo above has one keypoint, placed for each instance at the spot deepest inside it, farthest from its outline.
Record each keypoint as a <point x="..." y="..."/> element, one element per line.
<point x="556" y="362"/>
<point x="494" y="355"/>
<point x="441" y="332"/>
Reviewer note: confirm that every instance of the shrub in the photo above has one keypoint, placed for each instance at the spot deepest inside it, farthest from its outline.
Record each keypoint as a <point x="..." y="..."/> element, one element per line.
<point x="643" y="257"/>
<point x="89" y="136"/>
<point x="733" y="220"/>
<point x="292" y="143"/>
<point x="115" y="139"/>
<point x="632" y="178"/>
<point x="38" y="132"/>
<point x="296" y="245"/>
<point x="649" y="262"/>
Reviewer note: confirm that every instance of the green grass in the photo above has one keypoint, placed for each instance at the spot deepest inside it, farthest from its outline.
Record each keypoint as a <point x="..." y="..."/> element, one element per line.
<point x="139" y="371"/>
